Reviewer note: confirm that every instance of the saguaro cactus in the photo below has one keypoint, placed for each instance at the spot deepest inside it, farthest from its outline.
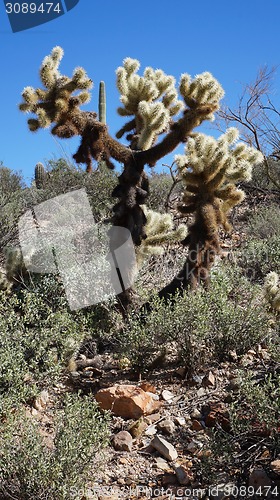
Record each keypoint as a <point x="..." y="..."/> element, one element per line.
<point x="102" y="103"/>
<point x="102" y="115"/>
<point x="40" y="175"/>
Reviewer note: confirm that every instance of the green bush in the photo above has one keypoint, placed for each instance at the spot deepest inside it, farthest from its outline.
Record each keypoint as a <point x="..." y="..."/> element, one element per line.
<point x="265" y="223"/>
<point x="257" y="404"/>
<point x="12" y="188"/>
<point x="259" y="257"/>
<point x="160" y="185"/>
<point x="254" y="417"/>
<point x="261" y="179"/>
<point x="35" y="344"/>
<point x="63" y="177"/>
<point x="204" y="325"/>
<point x="30" y="469"/>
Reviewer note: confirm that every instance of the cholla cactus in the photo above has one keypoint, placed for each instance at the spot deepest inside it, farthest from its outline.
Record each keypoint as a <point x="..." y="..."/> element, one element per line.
<point x="159" y="229"/>
<point x="55" y="103"/>
<point x="15" y="267"/>
<point x="5" y="284"/>
<point x="140" y="98"/>
<point x="272" y="290"/>
<point x="203" y="90"/>
<point x="209" y="170"/>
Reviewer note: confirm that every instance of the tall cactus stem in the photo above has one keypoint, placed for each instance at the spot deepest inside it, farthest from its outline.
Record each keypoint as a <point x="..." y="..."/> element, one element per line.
<point x="40" y="175"/>
<point x="102" y="103"/>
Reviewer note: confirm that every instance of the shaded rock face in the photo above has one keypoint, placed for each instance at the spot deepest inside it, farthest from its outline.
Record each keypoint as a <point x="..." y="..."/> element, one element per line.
<point x="127" y="401"/>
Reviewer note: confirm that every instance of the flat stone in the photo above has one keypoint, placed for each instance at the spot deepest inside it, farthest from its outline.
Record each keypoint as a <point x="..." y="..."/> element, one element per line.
<point x="162" y="464"/>
<point x="201" y="392"/>
<point x="180" y="421"/>
<point x="151" y="430"/>
<point x="209" y="380"/>
<point x="196" y="414"/>
<point x="183" y="475"/>
<point x="165" y="448"/>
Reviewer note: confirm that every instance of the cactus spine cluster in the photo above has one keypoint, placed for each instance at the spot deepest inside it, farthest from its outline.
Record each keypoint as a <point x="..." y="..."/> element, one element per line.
<point x="55" y="103"/>
<point x="40" y="175"/>
<point x="210" y="169"/>
<point x="159" y="230"/>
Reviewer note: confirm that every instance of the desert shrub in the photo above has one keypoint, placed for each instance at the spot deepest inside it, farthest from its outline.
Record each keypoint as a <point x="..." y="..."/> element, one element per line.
<point x="261" y="179"/>
<point x="63" y="177"/>
<point x="35" y="345"/>
<point x="265" y="223"/>
<point x="12" y="188"/>
<point x="259" y="257"/>
<point x="204" y="325"/>
<point x="254" y="419"/>
<point x="30" y="469"/>
<point x="256" y="394"/>
<point x="160" y="185"/>
<point x="10" y="181"/>
<point x="156" y="270"/>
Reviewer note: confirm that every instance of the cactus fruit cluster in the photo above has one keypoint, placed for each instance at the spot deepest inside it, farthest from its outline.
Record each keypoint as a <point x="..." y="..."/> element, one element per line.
<point x="210" y="169"/>
<point x="152" y="99"/>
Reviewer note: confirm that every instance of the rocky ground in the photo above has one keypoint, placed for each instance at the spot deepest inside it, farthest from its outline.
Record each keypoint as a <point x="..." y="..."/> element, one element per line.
<point x="161" y="428"/>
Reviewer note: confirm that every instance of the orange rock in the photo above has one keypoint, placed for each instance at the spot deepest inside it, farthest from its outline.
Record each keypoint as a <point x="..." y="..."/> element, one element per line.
<point x="196" y="425"/>
<point x="218" y="414"/>
<point x="127" y="401"/>
<point x="147" y="387"/>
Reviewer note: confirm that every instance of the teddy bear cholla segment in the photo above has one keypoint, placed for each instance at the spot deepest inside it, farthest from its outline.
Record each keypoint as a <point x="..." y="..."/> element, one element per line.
<point x="153" y="99"/>
<point x="56" y="103"/>
<point x="210" y="169"/>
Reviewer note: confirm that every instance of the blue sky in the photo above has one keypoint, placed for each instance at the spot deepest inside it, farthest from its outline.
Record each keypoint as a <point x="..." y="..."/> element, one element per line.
<point x="232" y="40"/>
